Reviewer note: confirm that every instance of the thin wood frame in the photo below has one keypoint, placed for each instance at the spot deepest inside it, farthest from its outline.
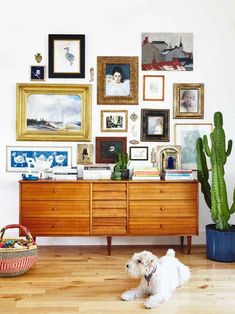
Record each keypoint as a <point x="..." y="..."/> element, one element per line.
<point x="153" y="87"/>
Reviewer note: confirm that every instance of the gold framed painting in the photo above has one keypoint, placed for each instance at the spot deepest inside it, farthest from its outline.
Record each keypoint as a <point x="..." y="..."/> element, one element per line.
<point x="53" y="112"/>
<point x="114" y="120"/>
<point x="188" y="101"/>
<point x="117" y="80"/>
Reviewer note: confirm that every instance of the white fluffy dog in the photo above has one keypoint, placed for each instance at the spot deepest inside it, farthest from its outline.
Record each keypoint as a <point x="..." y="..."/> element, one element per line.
<point x="159" y="277"/>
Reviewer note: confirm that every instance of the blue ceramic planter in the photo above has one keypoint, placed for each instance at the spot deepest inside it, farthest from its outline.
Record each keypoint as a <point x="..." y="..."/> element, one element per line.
<point x="220" y="245"/>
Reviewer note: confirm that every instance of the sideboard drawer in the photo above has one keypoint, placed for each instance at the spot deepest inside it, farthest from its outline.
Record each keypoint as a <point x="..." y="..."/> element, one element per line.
<point x="57" y="226"/>
<point x="180" y="208"/>
<point x="148" y="191"/>
<point x="109" y="195"/>
<point x="163" y="226"/>
<point x="55" y="191"/>
<point x="109" y="204"/>
<point x="109" y="212"/>
<point x="55" y="209"/>
<point x="109" y="186"/>
<point x="109" y="230"/>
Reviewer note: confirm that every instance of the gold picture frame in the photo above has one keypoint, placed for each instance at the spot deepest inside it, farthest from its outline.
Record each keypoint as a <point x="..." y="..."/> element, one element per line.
<point x="117" y="80"/>
<point x="188" y="101"/>
<point x="53" y="112"/>
<point x="114" y="120"/>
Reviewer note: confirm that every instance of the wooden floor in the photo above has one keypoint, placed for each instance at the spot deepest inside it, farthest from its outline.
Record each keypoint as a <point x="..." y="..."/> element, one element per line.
<point x="85" y="280"/>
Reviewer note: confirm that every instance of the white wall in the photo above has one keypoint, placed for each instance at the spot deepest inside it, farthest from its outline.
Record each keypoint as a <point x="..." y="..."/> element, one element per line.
<point x="114" y="29"/>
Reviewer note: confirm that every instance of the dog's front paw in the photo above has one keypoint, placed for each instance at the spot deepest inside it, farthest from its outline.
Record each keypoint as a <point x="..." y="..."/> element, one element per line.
<point x="151" y="302"/>
<point x="126" y="296"/>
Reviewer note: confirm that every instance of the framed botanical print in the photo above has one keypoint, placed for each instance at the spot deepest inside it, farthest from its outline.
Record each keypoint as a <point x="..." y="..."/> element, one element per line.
<point x="188" y="101"/>
<point x="138" y="152"/>
<point x="153" y="87"/>
<point x="107" y="148"/>
<point x="66" y="56"/>
<point x="186" y="136"/>
<point x="53" y="112"/>
<point x="114" y="120"/>
<point x="84" y="154"/>
<point x="117" y="79"/>
<point x="155" y="125"/>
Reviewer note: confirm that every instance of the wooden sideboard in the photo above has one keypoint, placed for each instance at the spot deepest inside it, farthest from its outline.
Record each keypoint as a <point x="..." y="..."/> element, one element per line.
<point x="110" y="208"/>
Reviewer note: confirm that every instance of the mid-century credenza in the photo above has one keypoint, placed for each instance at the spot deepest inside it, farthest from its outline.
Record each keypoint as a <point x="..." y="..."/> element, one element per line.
<point x="110" y="208"/>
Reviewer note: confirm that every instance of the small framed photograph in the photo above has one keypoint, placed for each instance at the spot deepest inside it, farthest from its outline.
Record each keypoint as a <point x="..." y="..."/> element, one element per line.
<point x="188" y="101"/>
<point x="155" y="125"/>
<point x="138" y="152"/>
<point x="107" y="148"/>
<point x="66" y="56"/>
<point x="117" y="79"/>
<point x="37" y="73"/>
<point x="84" y="154"/>
<point x="23" y="158"/>
<point x="169" y="157"/>
<point x="114" y="120"/>
<point x="153" y="87"/>
<point x="186" y="136"/>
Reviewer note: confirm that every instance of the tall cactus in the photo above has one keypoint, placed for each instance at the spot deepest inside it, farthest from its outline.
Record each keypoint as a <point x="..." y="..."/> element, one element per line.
<point x="216" y="193"/>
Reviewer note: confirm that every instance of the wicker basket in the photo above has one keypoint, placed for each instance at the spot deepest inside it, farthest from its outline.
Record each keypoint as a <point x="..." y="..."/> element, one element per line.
<point x="17" y="261"/>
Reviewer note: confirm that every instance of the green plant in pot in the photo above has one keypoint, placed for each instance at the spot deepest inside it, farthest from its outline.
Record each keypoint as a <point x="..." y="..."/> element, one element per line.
<point x="220" y="236"/>
<point x="121" y="170"/>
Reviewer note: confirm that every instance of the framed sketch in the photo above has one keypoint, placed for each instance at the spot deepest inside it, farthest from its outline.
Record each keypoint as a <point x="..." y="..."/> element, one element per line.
<point x="186" y="136"/>
<point x="138" y="152"/>
<point x="37" y="73"/>
<point x="108" y="147"/>
<point x="188" y="101"/>
<point x="66" y="56"/>
<point x="114" y="120"/>
<point x="117" y="80"/>
<point x="153" y="87"/>
<point x="53" y="112"/>
<point x="167" y="51"/>
<point x="155" y="125"/>
<point x="84" y="154"/>
<point x="24" y="158"/>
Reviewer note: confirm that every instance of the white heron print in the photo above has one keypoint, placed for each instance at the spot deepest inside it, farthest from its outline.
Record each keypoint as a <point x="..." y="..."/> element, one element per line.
<point x="69" y="56"/>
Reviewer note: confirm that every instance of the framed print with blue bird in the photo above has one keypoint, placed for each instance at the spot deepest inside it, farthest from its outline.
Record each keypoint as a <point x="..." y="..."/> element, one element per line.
<point x="66" y="56"/>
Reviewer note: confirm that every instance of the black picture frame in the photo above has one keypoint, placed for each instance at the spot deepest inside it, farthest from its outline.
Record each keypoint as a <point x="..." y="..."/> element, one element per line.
<point x="66" y="56"/>
<point x="138" y="153"/>
<point x="103" y="152"/>
<point x="155" y="125"/>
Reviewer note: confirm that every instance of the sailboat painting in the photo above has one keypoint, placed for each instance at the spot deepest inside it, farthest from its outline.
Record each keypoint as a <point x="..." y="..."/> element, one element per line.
<point x="54" y="112"/>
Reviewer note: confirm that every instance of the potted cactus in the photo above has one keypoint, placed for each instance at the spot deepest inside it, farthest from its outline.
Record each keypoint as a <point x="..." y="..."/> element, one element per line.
<point x="220" y="236"/>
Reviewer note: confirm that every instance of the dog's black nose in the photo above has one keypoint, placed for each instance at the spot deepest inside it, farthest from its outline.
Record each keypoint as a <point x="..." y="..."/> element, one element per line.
<point x="127" y="265"/>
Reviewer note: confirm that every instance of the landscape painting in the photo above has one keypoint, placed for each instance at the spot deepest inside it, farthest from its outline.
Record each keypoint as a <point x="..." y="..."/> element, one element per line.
<point x="167" y="51"/>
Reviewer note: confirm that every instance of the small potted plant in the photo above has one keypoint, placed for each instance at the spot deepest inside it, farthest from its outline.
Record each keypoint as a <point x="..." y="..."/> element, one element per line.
<point x="121" y="170"/>
<point x="220" y="236"/>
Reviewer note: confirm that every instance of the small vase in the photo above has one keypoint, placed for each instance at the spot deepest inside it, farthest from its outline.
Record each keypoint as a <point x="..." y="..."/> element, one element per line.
<point x="125" y="174"/>
<point x="117" y="176"/>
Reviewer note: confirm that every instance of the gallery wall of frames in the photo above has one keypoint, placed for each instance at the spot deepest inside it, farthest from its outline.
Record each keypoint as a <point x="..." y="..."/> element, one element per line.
<point x="132" y="116"/>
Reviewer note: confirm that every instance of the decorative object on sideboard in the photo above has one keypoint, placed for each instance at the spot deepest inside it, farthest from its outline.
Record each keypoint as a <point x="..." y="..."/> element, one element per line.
<point x="53" y="112"/>
<point x="167" y="51"/>
<point x="220" y="236"/>
<point x="121" y="170"/>
<point x="66" y="56"/>
<point x="169" y="157"/>
<point x="117" y="80"/>
<point x="155" y="125"/>
<point x="154" y="157"/>
<point x="188" y="101"/>
<point x="38" y="57"/>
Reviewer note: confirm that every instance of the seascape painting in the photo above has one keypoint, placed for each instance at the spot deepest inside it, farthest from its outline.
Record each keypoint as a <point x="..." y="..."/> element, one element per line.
<point x="54" y="112"/>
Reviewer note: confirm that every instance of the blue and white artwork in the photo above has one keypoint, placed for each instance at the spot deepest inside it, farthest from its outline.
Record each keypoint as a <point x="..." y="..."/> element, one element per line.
<point x="25" y="158"/>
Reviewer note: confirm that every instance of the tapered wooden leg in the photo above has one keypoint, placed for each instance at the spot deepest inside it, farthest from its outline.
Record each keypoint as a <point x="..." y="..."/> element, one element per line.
<point x="109" y="243"/>
<point x="189" y="243"/>
<point x="182" y="241"/>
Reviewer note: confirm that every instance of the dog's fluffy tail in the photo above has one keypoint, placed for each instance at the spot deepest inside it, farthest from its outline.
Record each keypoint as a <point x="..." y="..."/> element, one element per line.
<point x="170" y="252"/>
